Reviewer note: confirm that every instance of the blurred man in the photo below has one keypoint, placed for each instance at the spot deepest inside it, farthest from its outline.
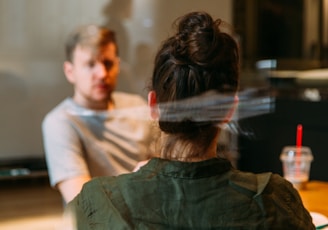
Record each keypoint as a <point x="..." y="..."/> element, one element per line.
<point x="88" y="135"/>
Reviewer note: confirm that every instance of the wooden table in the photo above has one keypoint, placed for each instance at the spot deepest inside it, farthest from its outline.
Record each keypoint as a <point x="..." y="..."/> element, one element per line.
<point x="29" y="204"/>
<point x="315" y="197"/>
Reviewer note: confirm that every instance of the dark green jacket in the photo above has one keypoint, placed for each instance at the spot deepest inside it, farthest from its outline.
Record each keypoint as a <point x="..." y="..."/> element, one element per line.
<point x="199" y="195"/>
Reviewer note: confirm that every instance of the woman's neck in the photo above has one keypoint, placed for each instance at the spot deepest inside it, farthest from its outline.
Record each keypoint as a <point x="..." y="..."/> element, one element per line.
<point x="189" y="152"/>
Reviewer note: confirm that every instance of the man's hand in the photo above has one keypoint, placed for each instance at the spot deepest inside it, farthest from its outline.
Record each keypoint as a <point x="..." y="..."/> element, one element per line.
<point x="140" y="164"/>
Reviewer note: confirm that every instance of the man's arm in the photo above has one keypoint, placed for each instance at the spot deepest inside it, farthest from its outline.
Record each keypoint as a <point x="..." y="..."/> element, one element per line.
<point x="71" y="187"/>
<point x="67" y="167"/>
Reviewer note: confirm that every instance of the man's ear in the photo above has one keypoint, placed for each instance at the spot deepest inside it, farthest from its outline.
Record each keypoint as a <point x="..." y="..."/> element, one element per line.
<point x="232" y="109"/>
<point x="68" y="70"/>
<point x="152" y="103"/>
<point x="119" y="64"/>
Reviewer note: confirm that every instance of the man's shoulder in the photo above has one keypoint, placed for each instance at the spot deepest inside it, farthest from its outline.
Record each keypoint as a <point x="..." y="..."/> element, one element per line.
<point x="58" y="112"/>
<point x="123" y="99"/>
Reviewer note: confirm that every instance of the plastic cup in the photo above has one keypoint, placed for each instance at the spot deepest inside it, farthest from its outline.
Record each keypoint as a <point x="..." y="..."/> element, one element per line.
<point x="296" y="163"/>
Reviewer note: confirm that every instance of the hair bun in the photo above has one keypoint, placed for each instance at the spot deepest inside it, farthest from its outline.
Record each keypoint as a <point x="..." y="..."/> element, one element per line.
<point x="196" y="24"/>
<point x="193" y="31"/>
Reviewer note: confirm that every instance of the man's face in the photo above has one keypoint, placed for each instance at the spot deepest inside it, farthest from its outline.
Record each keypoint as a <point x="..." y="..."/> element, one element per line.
<point x="93" y="76"/>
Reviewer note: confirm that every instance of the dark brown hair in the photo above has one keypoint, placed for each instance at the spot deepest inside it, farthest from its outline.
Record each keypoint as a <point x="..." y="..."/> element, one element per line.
<point x="198" y="58"/>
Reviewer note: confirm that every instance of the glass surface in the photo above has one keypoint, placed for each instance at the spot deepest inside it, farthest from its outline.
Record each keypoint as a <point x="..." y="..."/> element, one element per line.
<point x="32" y="40"/>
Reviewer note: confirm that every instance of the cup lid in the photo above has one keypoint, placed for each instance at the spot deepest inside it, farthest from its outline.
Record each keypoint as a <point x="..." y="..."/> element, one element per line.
<point x="292" y="152"/>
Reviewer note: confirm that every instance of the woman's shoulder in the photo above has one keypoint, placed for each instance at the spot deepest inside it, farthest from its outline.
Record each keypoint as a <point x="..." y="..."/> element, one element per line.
<point x="261" y="184"/>
<point x="248" y="181"/>
<point x="99" y="183"/>
<point x="106" y="186"/>
<point x="258" y="181"/>
<point x="97" y="194"/>
<point x="100" y="199"/>
<point x="283" y="201"/>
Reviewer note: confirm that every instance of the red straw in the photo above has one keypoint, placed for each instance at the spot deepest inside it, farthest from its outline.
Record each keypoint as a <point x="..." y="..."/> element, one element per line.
<point x="299" y="136"/>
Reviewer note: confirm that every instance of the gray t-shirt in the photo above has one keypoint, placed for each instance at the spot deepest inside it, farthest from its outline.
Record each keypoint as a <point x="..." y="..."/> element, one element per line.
<point x="79" y="141"/>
